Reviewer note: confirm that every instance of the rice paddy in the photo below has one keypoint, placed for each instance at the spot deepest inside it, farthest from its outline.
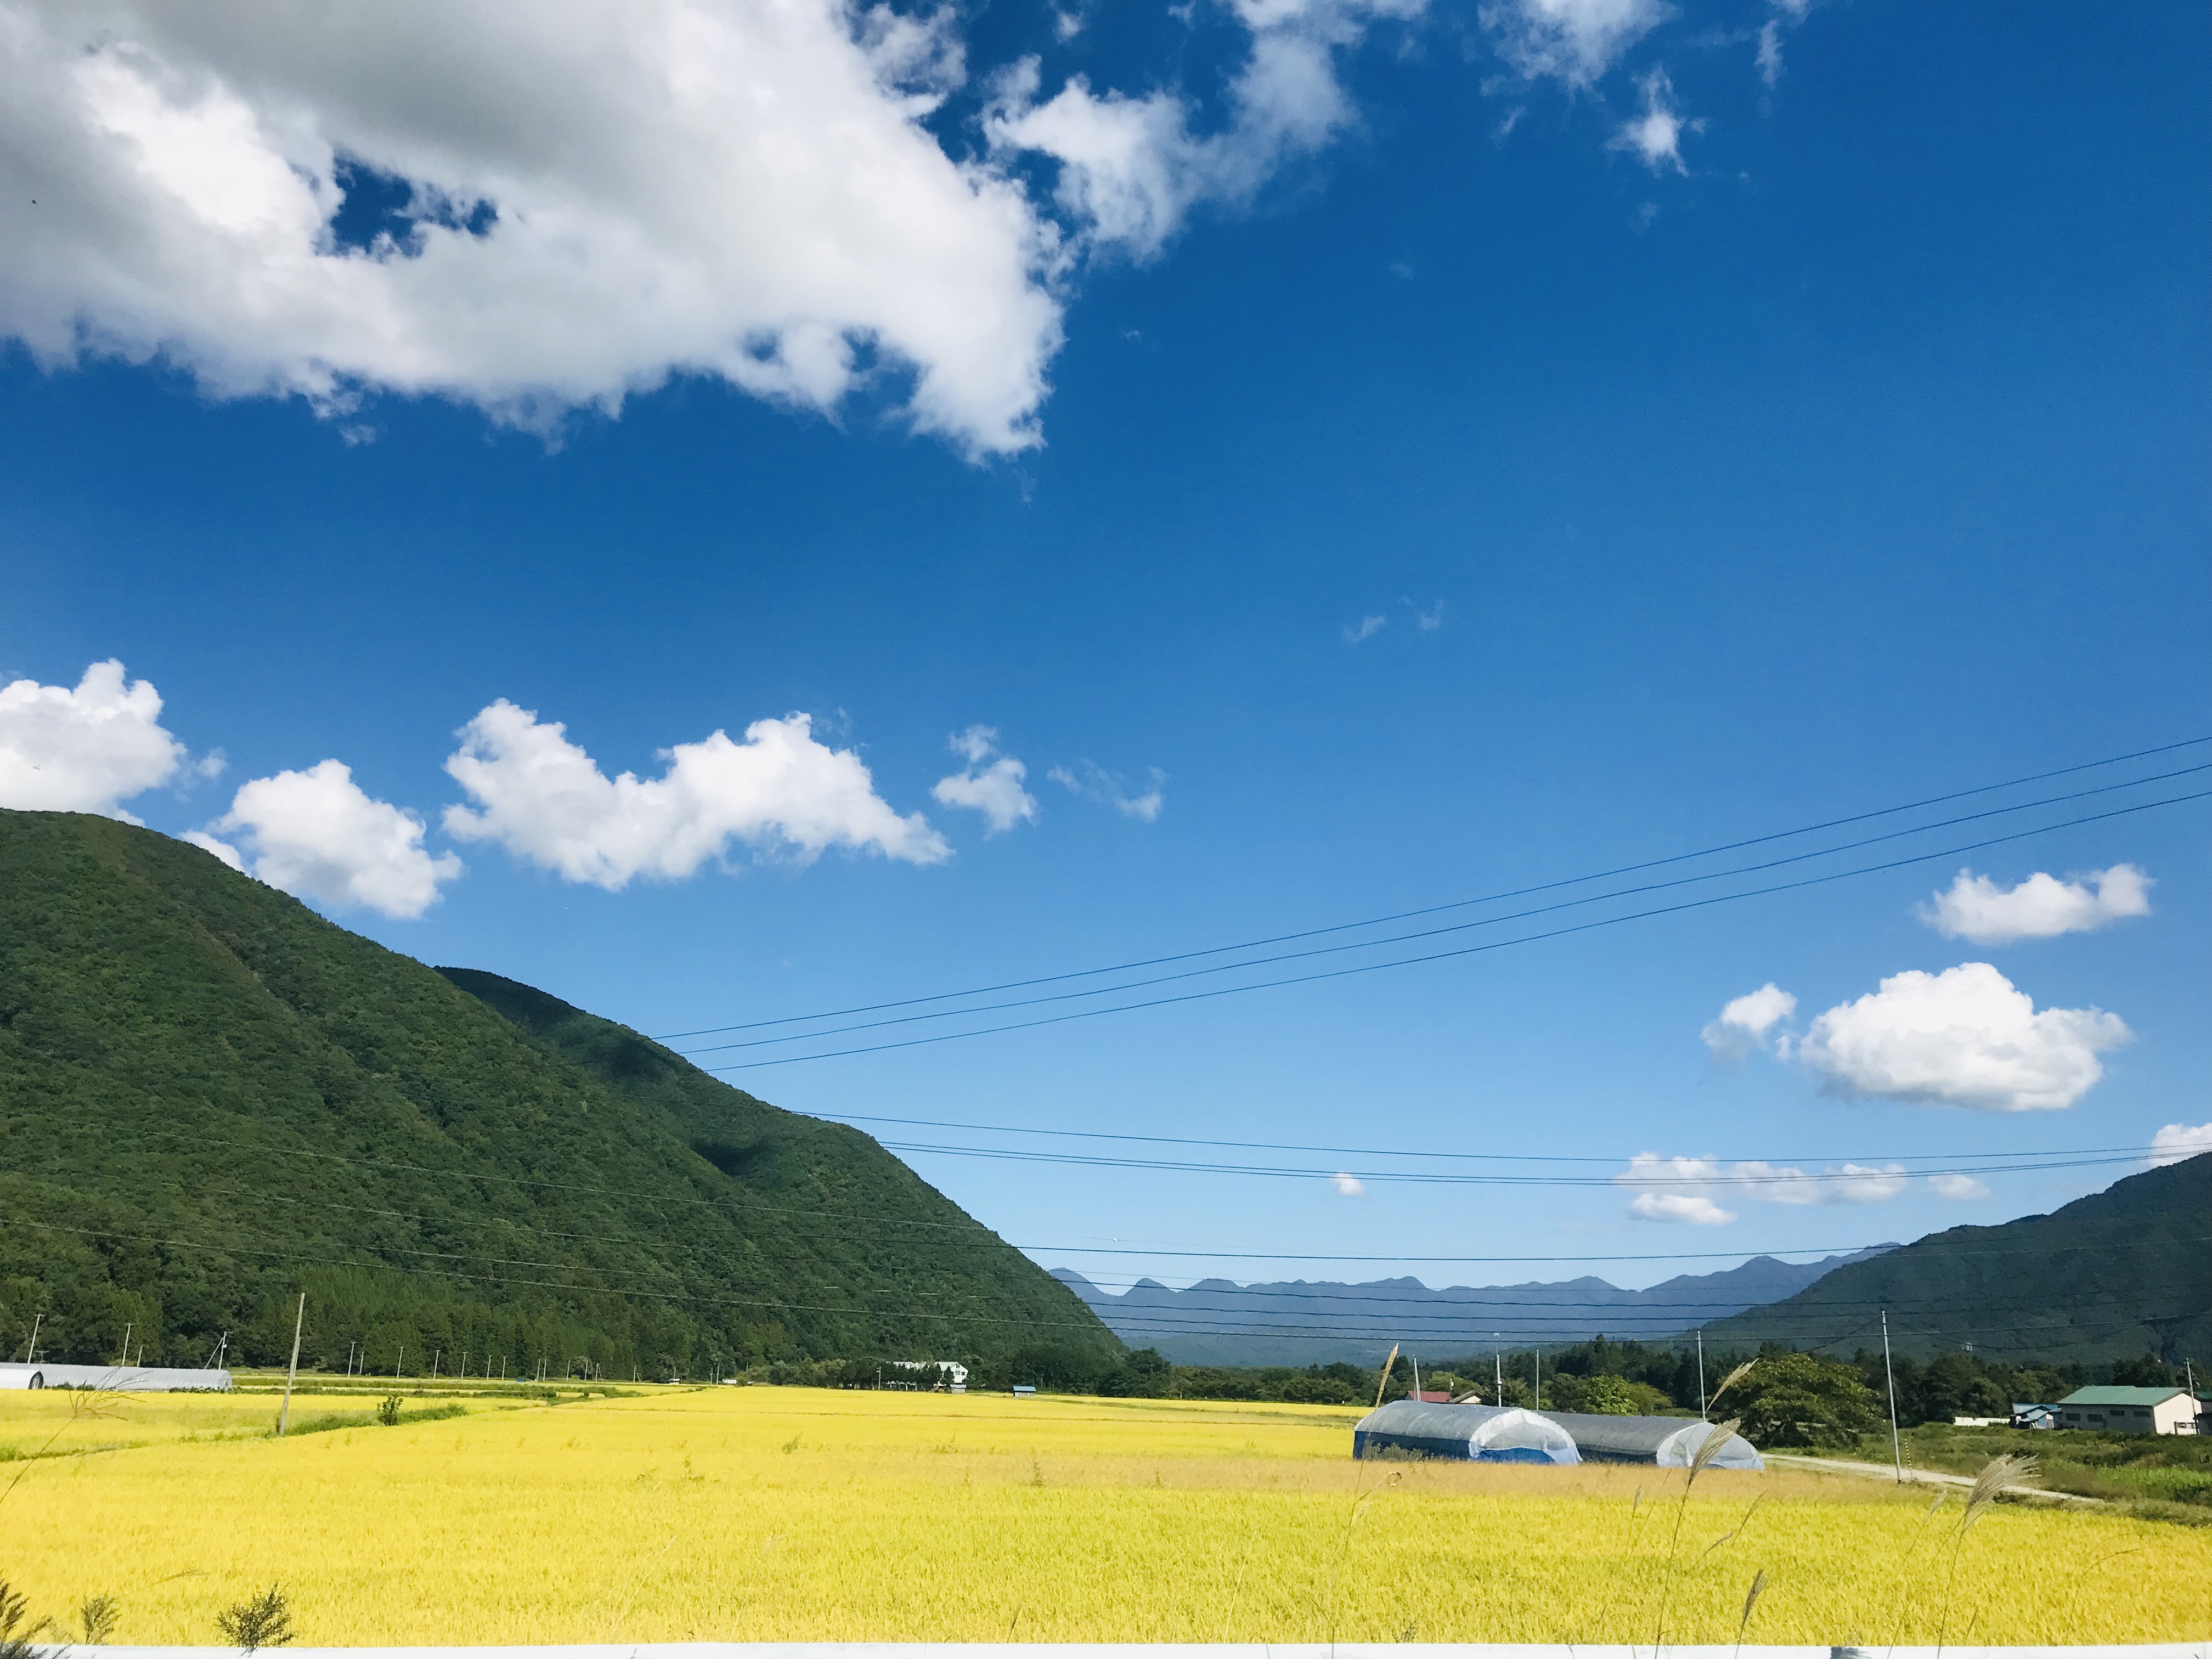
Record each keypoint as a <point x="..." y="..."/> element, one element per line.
<point x="774" y="1514"/>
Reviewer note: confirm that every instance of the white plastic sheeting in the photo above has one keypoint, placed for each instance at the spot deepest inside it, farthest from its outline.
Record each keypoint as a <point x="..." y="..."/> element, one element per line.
<point x="1483" y="1434"/>
<point x="122" y="1379"/>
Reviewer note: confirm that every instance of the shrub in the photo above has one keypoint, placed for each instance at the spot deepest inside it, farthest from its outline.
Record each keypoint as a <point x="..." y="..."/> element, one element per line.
<point x="260" y="1621"/>
<point x="96" y="1617"/>
<point x="15" y="1635"/>
<point x="387" y="1410"/>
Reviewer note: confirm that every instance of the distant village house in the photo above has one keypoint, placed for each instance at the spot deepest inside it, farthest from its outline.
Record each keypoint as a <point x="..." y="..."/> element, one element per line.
<point x="2130" y="1411"/>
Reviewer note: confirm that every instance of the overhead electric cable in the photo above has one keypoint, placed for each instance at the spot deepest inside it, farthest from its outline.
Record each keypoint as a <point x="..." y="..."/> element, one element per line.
<point x="1436" y="933"/>
<point x="1432" y="909"/>
<point x="1395" y="1152"/>
<point x="1624" y="1181"/>
<point x="1464" y="951"/>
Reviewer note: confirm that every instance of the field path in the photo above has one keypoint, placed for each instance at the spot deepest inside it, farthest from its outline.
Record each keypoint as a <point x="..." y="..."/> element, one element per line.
<point x="1926" y="1477"/>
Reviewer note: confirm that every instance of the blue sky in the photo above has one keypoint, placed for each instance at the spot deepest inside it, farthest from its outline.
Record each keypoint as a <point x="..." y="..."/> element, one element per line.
<point x="1724" y="444"/>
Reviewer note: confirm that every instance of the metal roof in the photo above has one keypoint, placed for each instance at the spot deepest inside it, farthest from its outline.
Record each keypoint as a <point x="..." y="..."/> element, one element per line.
<point x="2119" y="1396"/>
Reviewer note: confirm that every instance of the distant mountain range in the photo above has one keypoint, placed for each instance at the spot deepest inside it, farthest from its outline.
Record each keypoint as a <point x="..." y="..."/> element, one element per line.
<point x="2112" y="1276"/>
<point x="1217" y="1322"/>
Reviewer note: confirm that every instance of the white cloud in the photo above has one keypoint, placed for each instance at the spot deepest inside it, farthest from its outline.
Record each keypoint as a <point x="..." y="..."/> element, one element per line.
<point x="1962" y="1037"/>
<point x="1365" y="629"/>
<point x="1111" y="789"/>
<point x="1575" y="41"/>
<point x="1958" y="1187"/>
<point x="994" y="789"/>
<point x="1684" y="1209"/>
<point x="781" y="791"/>
<point x="1428" y="618"/>
<point x="86" y="750"/>
<point x="2042" y="906"/>
<point x="1130" y="169"/>
<point x="1656" y="135"/>
<point x="589" y="197"/>
<point x="1770" y="52"/>
<point x="1745" y="1021"/>
<point x="1684" y="1188"/>
<point x="222" y="849"/>
<point x="2178" y="1141"/>
<point x="1787" y="13"/>
<point x="1347" y="1186"/>
<point x="316" y="835"/>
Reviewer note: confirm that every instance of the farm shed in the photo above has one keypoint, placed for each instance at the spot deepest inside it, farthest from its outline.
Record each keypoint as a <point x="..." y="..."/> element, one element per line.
<point x="1669" y="1442"/>
<point x="2130" y="1411"/>
<point x="122" y="1379"/>
<point x="1482" y="1434"/>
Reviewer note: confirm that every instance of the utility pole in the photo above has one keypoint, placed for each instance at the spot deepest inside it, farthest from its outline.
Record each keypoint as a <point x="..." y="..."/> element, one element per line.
<point x="1701" y="1375"/>
<point x="1498" y="1363"/>
<point x="299" y="1320"/>
<point x="396" y="1363"/>
<point x="31" y="1351"/>
<point x="126" y="1344"/>
<point x="1889" y="1374"/>
<point x="1539" y="1376"/>
<point x="434" y="1363"/>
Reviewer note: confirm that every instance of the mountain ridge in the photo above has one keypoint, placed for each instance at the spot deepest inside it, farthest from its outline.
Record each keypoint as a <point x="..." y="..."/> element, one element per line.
<point x="211" y="1098"/>
<point x="2109" y="1276"/>
<point x="1316" y="1322"/>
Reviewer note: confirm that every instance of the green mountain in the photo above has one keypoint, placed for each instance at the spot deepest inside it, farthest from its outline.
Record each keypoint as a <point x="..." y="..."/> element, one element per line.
<point x="2115" y="1275"/>
<point x="211" y="1099"/>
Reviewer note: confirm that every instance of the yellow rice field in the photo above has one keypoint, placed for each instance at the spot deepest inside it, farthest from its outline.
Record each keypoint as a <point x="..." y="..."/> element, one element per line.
<point x="760" y="1514"/>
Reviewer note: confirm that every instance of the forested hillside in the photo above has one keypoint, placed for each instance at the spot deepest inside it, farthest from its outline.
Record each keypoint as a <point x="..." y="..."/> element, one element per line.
<point x="212" y="1099"/>
<point x="2109" y="1277"/>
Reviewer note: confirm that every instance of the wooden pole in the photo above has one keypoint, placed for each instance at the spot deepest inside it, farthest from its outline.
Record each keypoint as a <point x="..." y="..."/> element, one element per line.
<point x="1889" y="1375"/>
<point x="299" y="1320"/>
<point x="31" y="1352"/>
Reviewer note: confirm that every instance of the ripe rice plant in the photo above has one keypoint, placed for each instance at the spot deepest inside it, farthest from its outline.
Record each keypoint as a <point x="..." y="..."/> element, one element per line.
<point x="909" y="1516"/>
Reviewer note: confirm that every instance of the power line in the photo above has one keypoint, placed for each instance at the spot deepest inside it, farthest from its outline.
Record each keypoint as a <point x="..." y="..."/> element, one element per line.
<point x="1464" y="951"/>
<point x="1389" y="1152"/>
<point x="1453" y="928"/>
<point x="1624" y="1181"/>
<point x="1433" y="909"/>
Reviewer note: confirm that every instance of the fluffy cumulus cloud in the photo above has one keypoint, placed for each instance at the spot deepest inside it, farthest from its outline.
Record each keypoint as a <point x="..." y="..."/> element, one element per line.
<point x="1094" y="782"/>
<point x="781" y="792"/>
<point x="990" y="784"/>
<point x="2042" y="906"/>
<point x="2178" y="1141"/>
<point x="1575" y="41"/>
<point x="530" y="209"/>
<point x="1965" y="1036"/>
<point x="1131" y="169"/>
<point x="1347" y="1186"/>
<point x="1745" y="1022"/>
<point x="87" y="748"/>
<point x="319" y="835"/>
<point x="1692" y="1190"/>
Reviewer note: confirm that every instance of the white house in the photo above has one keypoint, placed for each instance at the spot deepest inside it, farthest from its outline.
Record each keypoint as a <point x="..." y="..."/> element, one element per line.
<point x="2130" y="1411"/>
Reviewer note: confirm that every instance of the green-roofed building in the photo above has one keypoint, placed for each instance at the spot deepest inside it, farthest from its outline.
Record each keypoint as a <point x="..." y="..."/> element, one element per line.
<point x="2131" y="1411"/>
